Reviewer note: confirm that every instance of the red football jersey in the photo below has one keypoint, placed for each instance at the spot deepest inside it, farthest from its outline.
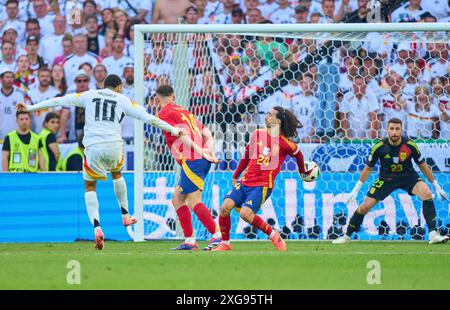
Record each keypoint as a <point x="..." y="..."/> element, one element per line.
<point x="179" y="117"/>
<point x="266" y="155"/>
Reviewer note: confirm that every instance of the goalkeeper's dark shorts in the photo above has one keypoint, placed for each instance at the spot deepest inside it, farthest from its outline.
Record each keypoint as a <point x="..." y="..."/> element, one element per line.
<point x="383" y="187"/>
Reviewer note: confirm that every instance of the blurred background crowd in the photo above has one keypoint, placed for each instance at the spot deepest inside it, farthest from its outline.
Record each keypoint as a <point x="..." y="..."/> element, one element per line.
<point x="339" y="89"/>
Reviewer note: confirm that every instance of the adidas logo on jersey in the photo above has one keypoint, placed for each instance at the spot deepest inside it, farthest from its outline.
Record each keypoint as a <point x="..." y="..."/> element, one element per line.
<point x="387" y="156"/>
<point x="250" y="203"/>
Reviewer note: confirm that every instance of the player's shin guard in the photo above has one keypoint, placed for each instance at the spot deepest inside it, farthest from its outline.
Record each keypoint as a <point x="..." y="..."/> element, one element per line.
<point x="91" y="201"/>
<point x="429" y="213"/>
<point x="205" y="217"/>
<point x="185" y="218"/>
<point x="225" y="227"/>
<point x="355" y="223"/>
<point x="261" y="225"/>
<point x="120" y="190"/>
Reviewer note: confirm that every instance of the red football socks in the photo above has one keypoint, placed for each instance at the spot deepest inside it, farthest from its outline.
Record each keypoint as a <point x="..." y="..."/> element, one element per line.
<point x="261" y="225"/>
<point x="185" y="218"/>
<point x="225" y="227"/>
<point x="205" y="217"/>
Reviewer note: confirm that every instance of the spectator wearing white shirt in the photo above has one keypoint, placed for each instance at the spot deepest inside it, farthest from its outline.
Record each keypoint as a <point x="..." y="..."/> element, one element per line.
<point x="223" y="17"/>
<point x="254" y="16"/>
<point x="410" y="12"/>
<point x="80" y="55"/>
<point x="10" y="35"/>
<point x="328" y="10"/>
<point x="237" y="16"/>
<point x="444" y="107"/>
<point x="116" y="62"/>
<point x="87" y="68"/>
<point x="7" y="57"/>
<point x="301" y="15"/>
<point x="103" y="4"/>
<point x="131" y="7"/>
<point x="213" y="7"/>
<point x="128" y="90"/>
<point x="404" y="52"/>
<point x="438" y="8"/>
<point x="394" y="103"/>
<point x="100" y="74"/>
<point x="203" y="17"/>
<point x="45" y="20"/>
<point x="250" y="5"/>
<point x="10" y="96"/>
<point x="284" y="14"/>
<point x="67" y="47"/>
<point x="58" y="79"/>
<point x="268" y="8"/>
<point x="422" y="115"/>
<point x="258" y="73"/>
<point x="12" y="10"/>
<point x="39" y="93"/>
<point x="441" y="64"/>
<point x="32" y="28"/>
<point x="358" y="112"/>
<point x="351" y="68"/>
<point x="159" y="65"/>
<point x="440" y="97"/>
<point x="191" y="15"/>
<point x="145" y="12"/>
<point x="90" y="8"/>
<point x="36" y="61"/>
<point x="413" y="77"/>
<point x="95" y="41"/>
<point x="26" y="10"/>
<point x="303" y="105"/>
<point x="52" y="45"/>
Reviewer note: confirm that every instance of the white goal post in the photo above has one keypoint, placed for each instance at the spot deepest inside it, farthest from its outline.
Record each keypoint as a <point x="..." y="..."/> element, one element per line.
<point x="139" y="41"/>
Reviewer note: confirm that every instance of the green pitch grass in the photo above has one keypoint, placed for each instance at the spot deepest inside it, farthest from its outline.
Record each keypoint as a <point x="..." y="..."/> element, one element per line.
<point x="251" y="265"/>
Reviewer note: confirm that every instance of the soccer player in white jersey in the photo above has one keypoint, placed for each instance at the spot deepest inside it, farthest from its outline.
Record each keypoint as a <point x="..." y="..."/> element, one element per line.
<point x="104" y="110"/>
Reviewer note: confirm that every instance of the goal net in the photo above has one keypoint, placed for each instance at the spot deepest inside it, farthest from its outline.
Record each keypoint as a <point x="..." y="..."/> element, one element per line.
<point x="342" y="81"/>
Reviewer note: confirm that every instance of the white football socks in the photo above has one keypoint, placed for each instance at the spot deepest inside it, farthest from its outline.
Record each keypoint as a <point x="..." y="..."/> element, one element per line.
<point x="120" y="190"/>
<point x="91" y="201"/>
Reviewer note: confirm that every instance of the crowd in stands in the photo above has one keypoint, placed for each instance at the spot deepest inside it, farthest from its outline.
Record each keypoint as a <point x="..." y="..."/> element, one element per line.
<point x="337" y="88"/>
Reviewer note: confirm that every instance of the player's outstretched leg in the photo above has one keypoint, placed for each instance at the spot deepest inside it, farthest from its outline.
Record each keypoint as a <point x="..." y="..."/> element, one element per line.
<point x="120" y="190"/>
<point x="90" y="198"/>
<point x="250" y="217"/>
<point x="185" y="218"/>
<point x="205" y="217"/>
<point x="225" y="225"/>
<point x="356" y="220"/>
<point x="429" y="212"/>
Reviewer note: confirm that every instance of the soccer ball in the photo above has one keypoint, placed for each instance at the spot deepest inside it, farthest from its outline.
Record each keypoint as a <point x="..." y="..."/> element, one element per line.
<point x="312" y="172"/>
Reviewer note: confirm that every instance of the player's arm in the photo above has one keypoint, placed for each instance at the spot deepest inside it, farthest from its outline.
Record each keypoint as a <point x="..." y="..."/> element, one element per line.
<point x="138" y="112"/>
<point x="371" y="162"/>
<point x="243" y="163"/>
<point x="425" y="169"/>
<point x="65" y="101"/>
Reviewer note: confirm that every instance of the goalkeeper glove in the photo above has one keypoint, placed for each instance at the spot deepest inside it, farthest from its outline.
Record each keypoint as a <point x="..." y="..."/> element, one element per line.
<point x="439" y="191"/>
<point x="355" y="191"/>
